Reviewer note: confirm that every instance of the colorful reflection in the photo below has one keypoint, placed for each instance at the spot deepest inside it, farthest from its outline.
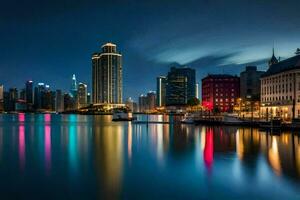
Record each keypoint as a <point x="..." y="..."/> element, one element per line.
<point x="209" y="148"/>
<point x="22" y="146"/>
<point x="48" y="148"/>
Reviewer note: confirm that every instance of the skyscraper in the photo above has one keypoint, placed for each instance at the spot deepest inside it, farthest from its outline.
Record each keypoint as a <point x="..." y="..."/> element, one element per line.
<point x="161" y="91"/>
<point x="38" y="95"/>
<point x="1" y="98"/>
<point x="82" y="95"/>
<point x="73" y="90"/>
<point x="29" y="93"/>
<point x="59" y="101"/>
<point x="107" y="75"/>
<point x="180" y="86"/>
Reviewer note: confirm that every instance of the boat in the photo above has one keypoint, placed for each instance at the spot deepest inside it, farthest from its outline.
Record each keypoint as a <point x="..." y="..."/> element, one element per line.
<point x="189" y="118"/>
<point x="122" y="115"/>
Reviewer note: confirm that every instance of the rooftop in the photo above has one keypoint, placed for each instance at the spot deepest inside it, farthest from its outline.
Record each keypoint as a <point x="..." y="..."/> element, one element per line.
<point x="282" y="66"/>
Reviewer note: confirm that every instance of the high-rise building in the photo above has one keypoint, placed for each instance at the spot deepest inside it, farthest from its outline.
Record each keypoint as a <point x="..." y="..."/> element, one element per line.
<point x="161" y="83"/>
<point x="250" y="83"/>
<point x="151" y="98"/>
<point x="143" y="103"/>
<point x="107" y="75"/>
<point x="73" y="89"/>
<point x="22" y="95"/>
<point x="197" y="90"/>
<point x="131" y="104"/>
<point x="180" y="86"/>
<point x="38" y="95"/>
<point x="88" y="97"/>
<point x="220" y="91"/>
<point x="82" y="95"/>
<point x="59" y="101"/>
<point x="29" y="93"/>
<point x="1" y="98"/>
<point x="13" y="97"/>
<point x="147" y="102"/>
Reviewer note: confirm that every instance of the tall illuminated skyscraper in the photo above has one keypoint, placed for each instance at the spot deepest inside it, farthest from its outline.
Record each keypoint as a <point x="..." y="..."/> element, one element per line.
<point x="107" y="75"/>
<point x="74" y="87"/>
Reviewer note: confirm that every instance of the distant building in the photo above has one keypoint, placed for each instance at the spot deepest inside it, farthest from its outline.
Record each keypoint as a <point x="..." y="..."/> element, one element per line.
<point x="147" y="102"/>
<point x="280" y="89"/>
<point x="38" y="95"/>
<point x="1" y="98"/>
<point x="69" y="103"/>
<point x="59" y="101"/>
<point x="82" y="95"/>
<point x="180" y="86"/>
<point x="89" y="98"/>
<point x="197" y="90"/>
<point x="107" y="75"/>
<point x="12" y="99"/>
<point x="73" y="90"/>
<point x="161" y="83"/>
<point x="22" y="95"/>
<point x="131" y="104"/>
<point x="250" y="83"/>
<point x="143" y="103"/>
<point x="220" y="92"/>
<point x="29" y="94"/>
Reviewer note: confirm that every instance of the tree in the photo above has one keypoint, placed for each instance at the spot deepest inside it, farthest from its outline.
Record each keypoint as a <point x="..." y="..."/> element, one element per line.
<point x="193" y="102"/>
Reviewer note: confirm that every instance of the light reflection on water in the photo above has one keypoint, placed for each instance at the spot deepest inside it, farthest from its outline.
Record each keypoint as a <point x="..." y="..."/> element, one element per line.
<point x="74" y="156"/>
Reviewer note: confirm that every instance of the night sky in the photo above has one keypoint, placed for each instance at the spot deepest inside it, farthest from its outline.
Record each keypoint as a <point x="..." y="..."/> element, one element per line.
<point x="48" y="41"/>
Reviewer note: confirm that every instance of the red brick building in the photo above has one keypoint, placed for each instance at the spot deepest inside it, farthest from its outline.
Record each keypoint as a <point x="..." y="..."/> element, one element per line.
<point x="220" y="91"/>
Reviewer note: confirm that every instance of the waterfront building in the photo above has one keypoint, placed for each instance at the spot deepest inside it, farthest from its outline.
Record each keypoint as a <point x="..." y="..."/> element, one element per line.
<point x="197" y="90"/>
<point x="143" y="103"/>
<point x="22" y="95"/>
<point x="59" y="101"/>
<point x="1" y="98"/>
<point x="73" y="90"/>
<point x="131" y="104"/>
<point x="29" y="94"/>
<point x="180" y="86"/>
<point x="88" y="97"/>
<point x="280" y="89"/>
<point x="69" y="102"/>
<point x="82" y="95"/>
<point x="250" y="83"/>
<point x="12" y="99"/>
<point x="107" y="75"/>
<point x="38" y="95"/>
<point x="220" y="92"/>
<point x="161" y="83"/>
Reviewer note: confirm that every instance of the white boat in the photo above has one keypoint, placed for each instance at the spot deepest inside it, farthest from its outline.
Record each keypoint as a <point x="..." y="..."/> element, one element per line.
<point x="122" y="115"/>
<point x="189" y="118"/>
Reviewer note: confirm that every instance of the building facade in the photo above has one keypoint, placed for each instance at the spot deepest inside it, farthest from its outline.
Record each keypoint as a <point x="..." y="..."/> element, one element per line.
<point x="161" y="83"/>
<point x="280" y="90"/>
<point x="1" y="98"/>
<point x="181" y="83"/>
<point x="250" y="83"/>
<point x="220" y="92"/>
<point x="107" y="79"/>
<point x="82" y="95"/>
<point x="59" y="101"/>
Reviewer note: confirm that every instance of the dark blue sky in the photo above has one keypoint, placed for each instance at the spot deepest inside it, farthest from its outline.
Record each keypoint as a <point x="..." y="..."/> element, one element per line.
<point x="48" y="41"/>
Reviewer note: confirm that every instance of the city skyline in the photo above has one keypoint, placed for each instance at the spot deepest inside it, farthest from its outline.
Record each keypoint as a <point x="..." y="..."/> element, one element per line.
<point x="212" y="37"/>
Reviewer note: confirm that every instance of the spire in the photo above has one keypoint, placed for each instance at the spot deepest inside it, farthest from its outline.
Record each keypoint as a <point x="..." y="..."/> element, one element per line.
<point x="273" y="59"/>
<point x="73" y="86"/>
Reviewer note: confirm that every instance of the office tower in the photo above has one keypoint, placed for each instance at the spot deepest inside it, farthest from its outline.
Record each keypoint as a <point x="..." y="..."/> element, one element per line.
<point x="130" y="104"/>
<point x="180" y="86"/>
<point x="143" y="103"/>
<point x="279" y="90"/>
<point x="22" y="95"/>
<point x="38" y="95"/>
<point x="197" y="90"/>
<point x="107" y="75"/>
<point x="47" y="98"/>
<point x="161" y="82"/>
<point x="29" y="93"/>
<point x="151" y="100"/>
<point x="82" y="95"/>
<point x="89" y="100"/>
<point x="73" y="90"/>
<point x="69" y="103"/>
<point x="59" y="101"/>
<point x="13" y="97"/>
<point x="220" y="92"/>
<point x="250" y="83"/>
<point x="1" y="98"/>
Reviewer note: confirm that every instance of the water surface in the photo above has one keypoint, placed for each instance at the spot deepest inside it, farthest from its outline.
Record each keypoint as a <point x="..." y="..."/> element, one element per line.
<point x="90" y="157"/>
